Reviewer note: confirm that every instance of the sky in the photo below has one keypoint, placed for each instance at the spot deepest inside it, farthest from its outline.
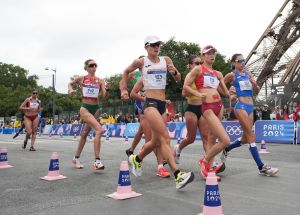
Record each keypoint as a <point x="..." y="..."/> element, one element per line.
<point x="62" y="34"/>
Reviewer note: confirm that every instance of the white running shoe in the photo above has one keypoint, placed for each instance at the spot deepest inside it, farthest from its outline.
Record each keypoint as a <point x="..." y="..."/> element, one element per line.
<point x="98" y="165"/>
<point x="77" y="164"/>
<point x="223" y="156"/>
<point x="268" y="170"/>
<point x="183" y="178"/>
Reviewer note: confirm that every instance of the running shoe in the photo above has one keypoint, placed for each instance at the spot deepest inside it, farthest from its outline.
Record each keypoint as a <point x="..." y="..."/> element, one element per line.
<point x="183" y="178"/>
<point x="128" y="152"/>
<point x="77" y="164"/>
<point x="205" y="167"/>
<point x="32" y="148"/>
<point x="17" y="134"/>
<point x="162" y="172"/>
<point x="176" y="154"/>
<point x="268" y="170"/>
<point x="136" y="166"/>
<point x="224" y="156"/>
<point x="98" y="165"/>
<point x="219" y="168"/>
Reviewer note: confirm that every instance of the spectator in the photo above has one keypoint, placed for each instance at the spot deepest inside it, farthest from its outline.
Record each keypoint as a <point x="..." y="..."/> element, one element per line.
<point x="265" y="114"/>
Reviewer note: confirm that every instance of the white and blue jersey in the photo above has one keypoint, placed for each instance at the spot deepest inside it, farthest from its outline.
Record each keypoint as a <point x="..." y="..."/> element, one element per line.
<point x="242" y="84"/>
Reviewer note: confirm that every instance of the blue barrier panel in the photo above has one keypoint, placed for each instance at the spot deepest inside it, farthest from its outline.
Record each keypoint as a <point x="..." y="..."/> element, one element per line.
<point x="76" y="129"/>
<point x="298" y="133"/>
<point x="275" y="131"/>
<point x="8" y="130"/>
<point x="47" y="129"/>
<point x="233" y="129"/>
<point x="1" y="130"/>
<point x="116" y="130"/>
<point x="131" y="129"/>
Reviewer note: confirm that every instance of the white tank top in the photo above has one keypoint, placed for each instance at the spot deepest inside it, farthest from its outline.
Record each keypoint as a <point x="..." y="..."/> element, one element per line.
<point x="154" y="74"/>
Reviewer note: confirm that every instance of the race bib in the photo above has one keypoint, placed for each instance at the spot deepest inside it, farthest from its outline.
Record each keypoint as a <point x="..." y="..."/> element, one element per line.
<point x="211" y="81"/>
<point x="90" y="91"/>
<point x="34" y="105"/>
<point x="245" y="85"/>
<point x="157" y="79"/>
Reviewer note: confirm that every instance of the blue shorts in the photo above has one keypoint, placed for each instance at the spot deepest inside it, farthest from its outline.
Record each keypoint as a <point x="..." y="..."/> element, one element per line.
<point x="244" y="106"/>
<point x="139" y="109"/>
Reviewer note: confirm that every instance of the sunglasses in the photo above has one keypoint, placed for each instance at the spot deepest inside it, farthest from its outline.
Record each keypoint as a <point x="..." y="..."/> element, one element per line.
<point x="34" y="93"/>
<point x="92" y="65"/>
<point x="197" y="63"/>
<point x="154" y="45"/>
<point x="241" y="61"/>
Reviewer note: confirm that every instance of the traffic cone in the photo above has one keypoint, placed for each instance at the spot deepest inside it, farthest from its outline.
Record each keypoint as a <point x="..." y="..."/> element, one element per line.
<point x="126" y="139"/>
<point x="212" y="201"/>
<point x="75" y="136"/>
<point x="3" y="158"/>
<point x="107" y="137"/>
<point x="50" y="135"/>
<point x="53" y="172"/>
<point x="124" y="190"/>
<point x="61" y="134"/>
<point x="263" y="148"/>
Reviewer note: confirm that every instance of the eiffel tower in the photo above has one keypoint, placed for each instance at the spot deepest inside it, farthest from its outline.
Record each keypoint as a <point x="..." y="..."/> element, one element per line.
<point x="275" y="58"/>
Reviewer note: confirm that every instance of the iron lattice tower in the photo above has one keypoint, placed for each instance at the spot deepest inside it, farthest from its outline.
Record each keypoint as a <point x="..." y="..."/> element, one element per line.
<point x="275" y="58"/>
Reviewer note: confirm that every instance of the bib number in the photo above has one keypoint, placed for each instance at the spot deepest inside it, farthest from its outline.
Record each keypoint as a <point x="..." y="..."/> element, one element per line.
<point x="90" y="91"/>
<point x="211" y="81"/>
<point x="245" y="85"/>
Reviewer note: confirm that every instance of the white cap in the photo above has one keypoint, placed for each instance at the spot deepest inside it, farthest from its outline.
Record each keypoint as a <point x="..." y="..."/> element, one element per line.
<point x="151" y="40"/>
<point x="208" y="48"/>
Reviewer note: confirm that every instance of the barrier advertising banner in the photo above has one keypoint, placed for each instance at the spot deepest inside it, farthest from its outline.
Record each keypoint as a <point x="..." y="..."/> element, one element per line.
<point x="298" y="132"/>
<point x="275" y="131"/>
<point x="233" y="129"/>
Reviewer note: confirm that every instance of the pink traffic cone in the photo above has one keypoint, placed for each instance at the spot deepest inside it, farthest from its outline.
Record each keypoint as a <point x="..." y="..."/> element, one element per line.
<point x="263" y="148"/>
<point x="178" y="140"/>
<point x="212" y="201"/>
<point x="124" y="190"/>
<point x="53" y="172"/>
<point x="107" y="137"/>
<point x="126" y="139"/>
<point x="3" y="158"/>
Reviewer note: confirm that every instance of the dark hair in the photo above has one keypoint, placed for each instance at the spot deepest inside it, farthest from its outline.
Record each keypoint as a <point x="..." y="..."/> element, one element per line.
<point x="233" y="59"/>
<point x="87" y="62"/>
<point x="192" y="58"/>
<point x="141" y="56"/>
<point x="33" y="90"/>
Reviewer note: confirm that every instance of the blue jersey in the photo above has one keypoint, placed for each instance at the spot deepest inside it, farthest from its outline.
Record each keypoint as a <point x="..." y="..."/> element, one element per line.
<point x="242" y="84"/>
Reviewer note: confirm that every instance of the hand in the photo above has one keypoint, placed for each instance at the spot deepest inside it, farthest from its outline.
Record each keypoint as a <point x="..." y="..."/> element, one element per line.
<point x="171" y="69"/>
<point x="168" y="101"/>
<point x="202" y="96"/>
<point x="72" y="92"/>
<point x="124" y="95"/>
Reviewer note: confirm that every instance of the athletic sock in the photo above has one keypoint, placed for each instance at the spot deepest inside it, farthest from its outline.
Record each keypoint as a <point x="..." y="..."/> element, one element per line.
<point x="255" y="155"/>
<point x="234" y="144"/>
<point x="176" y="173"/>
<point x="77" y="157"/>
<point x="137" y="159"/>
<point x="160" y="166"/>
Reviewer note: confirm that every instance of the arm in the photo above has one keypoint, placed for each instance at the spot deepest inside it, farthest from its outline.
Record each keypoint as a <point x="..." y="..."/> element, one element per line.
<point x="23" y="105"/>
<point x="105" y="89"/>
<point x="138" y="63"/>
<point x="184" y="92"/>
<point x="229" y="78"/>
<point x="172" y="69"/>
<point x="189" y="81"/>
<point x="76" y="80"/>
<point x="134" y="94"/>
<point x="256" y="88"/>
<point x="222" y="85"/>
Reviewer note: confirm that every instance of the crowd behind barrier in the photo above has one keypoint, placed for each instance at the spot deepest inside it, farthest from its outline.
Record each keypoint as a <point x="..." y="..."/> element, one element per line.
<point x="275" y="131"/>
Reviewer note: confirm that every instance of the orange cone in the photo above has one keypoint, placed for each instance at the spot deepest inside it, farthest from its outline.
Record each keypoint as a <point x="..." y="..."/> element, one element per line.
<point x="263" y="148"/>
<point x="124" y="190"/>
<point x="3" y="158"/>
<point x="53" y="172"/>
<point x="212" y="201"/>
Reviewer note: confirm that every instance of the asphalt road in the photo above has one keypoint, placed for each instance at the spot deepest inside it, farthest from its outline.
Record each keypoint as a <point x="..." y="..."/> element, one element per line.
<point x="242" y="190"/>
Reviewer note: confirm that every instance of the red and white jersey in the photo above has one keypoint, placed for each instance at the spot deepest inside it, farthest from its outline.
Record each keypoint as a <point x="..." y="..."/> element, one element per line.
<point x="207" y="79"/>
<point x="90" y="87"/>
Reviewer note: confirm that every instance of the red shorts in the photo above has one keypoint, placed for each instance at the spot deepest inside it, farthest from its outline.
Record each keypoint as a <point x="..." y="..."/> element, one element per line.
<point x="31" y="118"/>
<point x="216" y="107"/>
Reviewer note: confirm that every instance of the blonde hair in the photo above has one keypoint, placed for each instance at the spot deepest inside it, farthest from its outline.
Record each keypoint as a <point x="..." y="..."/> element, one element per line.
<point x="86" y="63"/>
